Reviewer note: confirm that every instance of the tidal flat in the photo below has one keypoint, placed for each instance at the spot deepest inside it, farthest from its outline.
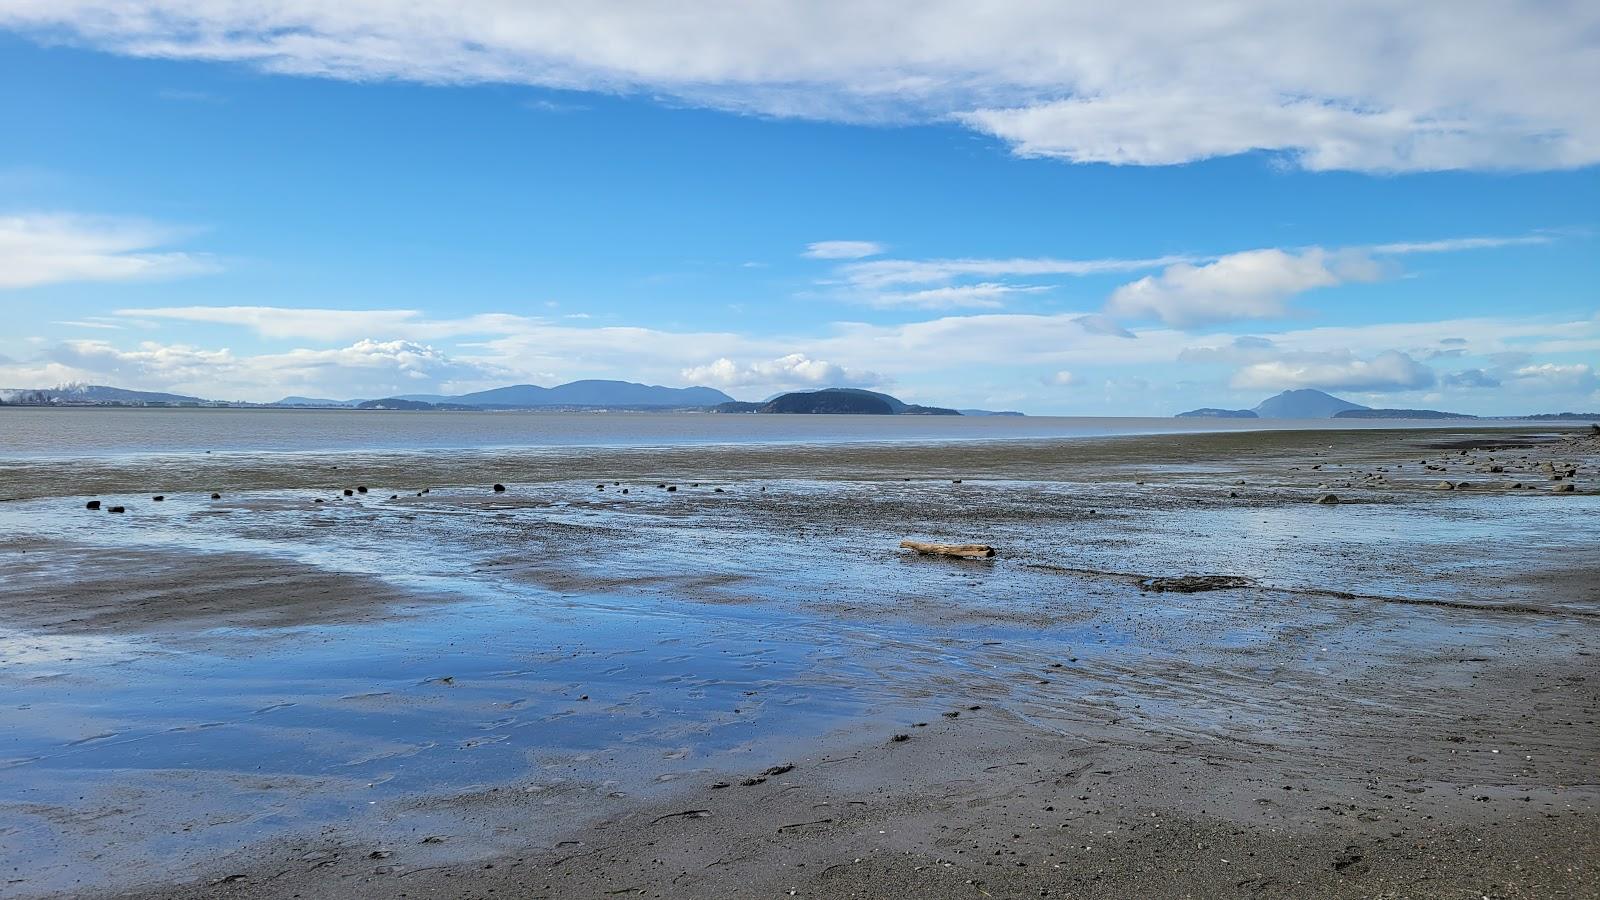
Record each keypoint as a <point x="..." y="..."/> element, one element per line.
<point x="708" y="670"/>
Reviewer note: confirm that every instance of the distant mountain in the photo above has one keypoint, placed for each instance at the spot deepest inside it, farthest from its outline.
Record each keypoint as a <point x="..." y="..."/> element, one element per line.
<point x="1211" y="412"/>
<point x="1564" y="417"/>
<point x="836" y="401"/>
<point x="988" y="412"/>
<point x="314" y="401"/>
<point x="1398" y="414"/>
<point x="591" y="393"/>
<point x="1303" y="404"/>
<point x="828" y="403"/>
<point x="94" y="394"/>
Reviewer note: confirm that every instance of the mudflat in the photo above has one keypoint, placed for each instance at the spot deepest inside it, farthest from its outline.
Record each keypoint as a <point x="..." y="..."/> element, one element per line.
<point x="743" y="687"/>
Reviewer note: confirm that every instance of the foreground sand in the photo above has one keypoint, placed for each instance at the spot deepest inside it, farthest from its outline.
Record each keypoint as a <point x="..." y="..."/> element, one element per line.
<point x="1401" y="703"/>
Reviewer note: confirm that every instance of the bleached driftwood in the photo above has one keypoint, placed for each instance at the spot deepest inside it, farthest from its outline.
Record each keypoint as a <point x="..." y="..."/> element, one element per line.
<point x="963" y="551"/>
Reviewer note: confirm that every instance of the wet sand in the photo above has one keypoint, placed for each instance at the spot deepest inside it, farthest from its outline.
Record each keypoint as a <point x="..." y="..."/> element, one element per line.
<point x="1400" y="702"/>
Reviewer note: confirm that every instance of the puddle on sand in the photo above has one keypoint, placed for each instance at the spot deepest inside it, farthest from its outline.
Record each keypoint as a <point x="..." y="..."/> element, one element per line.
<point x="126" y="765"/>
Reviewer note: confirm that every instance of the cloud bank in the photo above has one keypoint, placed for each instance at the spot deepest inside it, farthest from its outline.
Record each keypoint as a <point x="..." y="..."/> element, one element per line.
<point x="1361" y="85"/>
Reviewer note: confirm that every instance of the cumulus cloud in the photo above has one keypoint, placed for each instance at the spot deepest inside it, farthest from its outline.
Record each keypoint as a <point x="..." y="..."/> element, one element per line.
<point x="1556" y="376"/>
<point x="843" y="249"/>
<point x="1063" y="378"/>
<point x="1098" y="324"/>
<point x="1254" y="284"/>
<point x="43" y="249"/>
<point x="793" y="370"/>
<point x="1470" y="379"/>
<point x="1365" y="84"/>
<point x="1242" y="349"/>
<point x="1388" y="371"/>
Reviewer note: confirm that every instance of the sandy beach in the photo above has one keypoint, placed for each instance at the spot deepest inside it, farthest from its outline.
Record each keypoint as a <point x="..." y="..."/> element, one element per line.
<point x="742" y="687"/>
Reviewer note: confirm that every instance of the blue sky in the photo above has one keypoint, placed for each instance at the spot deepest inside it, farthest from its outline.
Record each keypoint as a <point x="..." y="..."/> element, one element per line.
<point x="248" y="200"/>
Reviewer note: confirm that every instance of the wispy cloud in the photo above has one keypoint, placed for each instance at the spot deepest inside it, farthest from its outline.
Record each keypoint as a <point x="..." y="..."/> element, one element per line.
<point x="52" y="248"/>
<point x="888" y="273"/>
<point x="987" y="295"/>
<point x="843" y="249"/>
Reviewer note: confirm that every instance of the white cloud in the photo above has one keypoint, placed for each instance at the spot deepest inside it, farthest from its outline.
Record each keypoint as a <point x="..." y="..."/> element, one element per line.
<point x="1388" y="371"/>
<point x="793" y="370"/>
<point x="1063" y="378"/>
<point x="1363" y="84"/>
<point x="38" y="249"/>
<point x="843" y="249"/>
<point x="1254" y="284"/>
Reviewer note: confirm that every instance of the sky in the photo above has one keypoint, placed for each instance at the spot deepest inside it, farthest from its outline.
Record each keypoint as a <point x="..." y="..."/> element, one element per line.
<point x="1077" y="209"/>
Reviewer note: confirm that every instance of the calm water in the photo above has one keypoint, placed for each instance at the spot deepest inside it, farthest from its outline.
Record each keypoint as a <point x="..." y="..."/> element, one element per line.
<point x="27" y="432"/>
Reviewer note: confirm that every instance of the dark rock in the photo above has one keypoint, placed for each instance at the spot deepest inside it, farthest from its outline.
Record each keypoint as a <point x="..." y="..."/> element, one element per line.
<point x="216" y="496"/>
<point x="1565" y="487"/>
<point x="115" y="509"/>
<point x="1193" y="584"/>
<point x="899" y="738"/>
<point x="92" y="504"/>
<point x="672" y="488"/>
<point x="1328" y="499"/>
<point x="499" y="488"/>
<point x="349" y="493"/>
<point x="159" y="497"/>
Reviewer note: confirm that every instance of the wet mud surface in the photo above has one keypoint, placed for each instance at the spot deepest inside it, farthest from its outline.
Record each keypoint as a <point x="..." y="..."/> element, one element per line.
<point x="563" y="690"/>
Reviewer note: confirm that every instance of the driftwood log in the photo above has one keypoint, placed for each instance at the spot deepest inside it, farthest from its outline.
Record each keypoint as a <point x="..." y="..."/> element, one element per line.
<point x="963" y="551"/>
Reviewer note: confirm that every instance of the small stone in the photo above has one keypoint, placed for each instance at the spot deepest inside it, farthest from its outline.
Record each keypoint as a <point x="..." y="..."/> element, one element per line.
<point x="1328" y="499"/>
<point x="361" y="489"/>
<point x="499" y="488"/>
<point x="900" y="738"/>
<point x="216" y="496"/>
<point x="1565" y="487"/>
<point x="115" y="509"/>
<point x="159" y="497"/>
<point x="1445" y="486"/>
<point x="92" y="504"/>
<point x="349" y="493"/>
